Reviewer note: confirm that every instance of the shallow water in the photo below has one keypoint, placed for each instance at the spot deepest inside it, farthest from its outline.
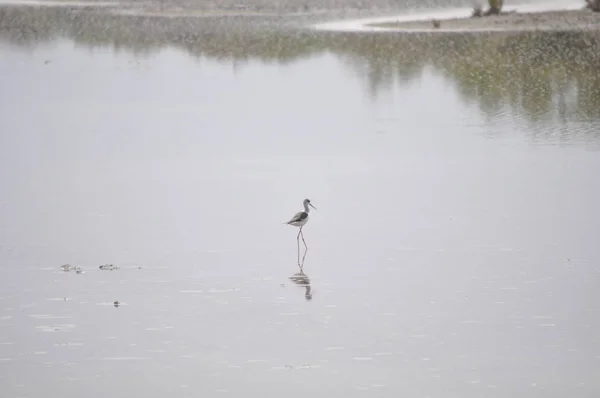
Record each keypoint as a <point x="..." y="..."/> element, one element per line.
<point x="453" y="254"/>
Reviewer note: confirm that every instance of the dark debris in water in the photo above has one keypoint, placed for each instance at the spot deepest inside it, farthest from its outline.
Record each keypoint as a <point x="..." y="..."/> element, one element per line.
<point x="108" y="267"/>
<point x="79" y="270"/>
<point x="71" y="268"/>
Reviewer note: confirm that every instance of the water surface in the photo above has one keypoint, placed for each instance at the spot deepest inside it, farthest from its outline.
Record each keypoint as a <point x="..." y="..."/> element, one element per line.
<point x="454" y="252"/>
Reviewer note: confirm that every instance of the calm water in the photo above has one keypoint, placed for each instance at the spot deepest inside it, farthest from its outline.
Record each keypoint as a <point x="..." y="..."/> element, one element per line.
<point x="454" y="252"/>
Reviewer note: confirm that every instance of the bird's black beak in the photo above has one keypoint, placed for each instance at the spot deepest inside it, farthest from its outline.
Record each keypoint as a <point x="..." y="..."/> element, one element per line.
<point x="312" y="206"/>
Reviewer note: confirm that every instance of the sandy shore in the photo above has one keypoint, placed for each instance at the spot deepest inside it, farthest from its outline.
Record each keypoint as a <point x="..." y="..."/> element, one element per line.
<point x="548" y="20"/>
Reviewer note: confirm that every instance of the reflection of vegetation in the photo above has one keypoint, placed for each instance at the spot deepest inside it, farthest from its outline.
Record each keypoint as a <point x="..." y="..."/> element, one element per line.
<point x="543" y="77"/>
<point x="529" y="72"/>
<point x="219" y="38"/>
<point x="548" y="80"/>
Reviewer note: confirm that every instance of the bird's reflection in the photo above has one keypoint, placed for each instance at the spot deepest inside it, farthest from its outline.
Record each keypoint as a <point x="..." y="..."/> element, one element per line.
<point x="301" y="279"/>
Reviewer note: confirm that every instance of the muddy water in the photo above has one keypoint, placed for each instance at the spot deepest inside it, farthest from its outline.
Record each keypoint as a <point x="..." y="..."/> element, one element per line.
<point x="453" y="253"/>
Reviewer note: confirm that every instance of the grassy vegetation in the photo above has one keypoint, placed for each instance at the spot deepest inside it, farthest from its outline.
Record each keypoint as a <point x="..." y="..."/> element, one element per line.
<point x="593" y="5"/>
<point x="495" y="7"/>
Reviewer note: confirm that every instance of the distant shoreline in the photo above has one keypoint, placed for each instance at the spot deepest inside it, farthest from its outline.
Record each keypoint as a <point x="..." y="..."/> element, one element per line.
<point x="510" y="21"/>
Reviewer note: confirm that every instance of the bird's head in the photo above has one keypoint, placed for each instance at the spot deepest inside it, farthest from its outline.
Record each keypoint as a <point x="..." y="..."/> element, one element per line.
<point x="307" y="202"/>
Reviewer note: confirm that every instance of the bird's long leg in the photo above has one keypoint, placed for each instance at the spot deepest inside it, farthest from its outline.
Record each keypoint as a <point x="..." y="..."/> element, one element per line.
<point x="298" y="242"/>
<point x="301" y="234"/>
<point x="305" y="247"/>
<point x="303" y="258"/>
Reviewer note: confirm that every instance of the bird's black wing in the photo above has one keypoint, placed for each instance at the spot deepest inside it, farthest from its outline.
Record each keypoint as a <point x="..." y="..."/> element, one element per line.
<point x="298" y="217"/>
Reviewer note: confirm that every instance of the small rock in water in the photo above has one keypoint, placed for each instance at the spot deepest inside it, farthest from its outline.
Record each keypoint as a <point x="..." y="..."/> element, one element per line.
<point x="116" y="303"/>
<point x="108" y="267"/>
<point x="67" y="267"/>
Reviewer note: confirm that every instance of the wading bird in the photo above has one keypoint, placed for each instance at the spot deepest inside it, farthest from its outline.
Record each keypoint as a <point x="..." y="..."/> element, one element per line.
<point x="299" y="220"/>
